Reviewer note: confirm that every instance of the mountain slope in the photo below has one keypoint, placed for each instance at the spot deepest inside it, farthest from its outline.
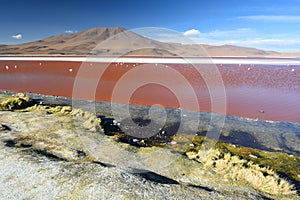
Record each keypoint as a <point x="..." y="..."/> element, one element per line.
<point x="118" y="41"/>
<point x="77" y="43"/>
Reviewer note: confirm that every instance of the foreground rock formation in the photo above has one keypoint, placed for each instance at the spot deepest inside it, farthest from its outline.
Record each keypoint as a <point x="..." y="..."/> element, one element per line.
<point x="61" y="152"/>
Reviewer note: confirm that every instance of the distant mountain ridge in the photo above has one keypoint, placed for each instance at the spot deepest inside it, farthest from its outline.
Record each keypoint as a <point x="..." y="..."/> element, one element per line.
<point x="119" y="41"/>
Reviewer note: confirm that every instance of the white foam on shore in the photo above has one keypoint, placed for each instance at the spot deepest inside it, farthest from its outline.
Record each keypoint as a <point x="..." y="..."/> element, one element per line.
<point x="191" y="60"/>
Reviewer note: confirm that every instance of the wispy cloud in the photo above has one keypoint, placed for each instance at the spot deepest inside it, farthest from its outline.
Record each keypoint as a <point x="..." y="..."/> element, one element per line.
<point x="289" y="42"/>
<point x="240" y="32"/>
<point x="275" y="44"/>
<point x="196" y="36"/>
<point x="17" y="36"/>
<point x="272" y="18"/>
<point x="192" y="33"/>
<point x="267" y="43"/>
<point x="247" y="37"/>
<point x="70" y="31"/>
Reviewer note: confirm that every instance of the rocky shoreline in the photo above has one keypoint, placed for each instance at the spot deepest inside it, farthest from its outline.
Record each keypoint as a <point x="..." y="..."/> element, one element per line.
<point x="49" y="146"/>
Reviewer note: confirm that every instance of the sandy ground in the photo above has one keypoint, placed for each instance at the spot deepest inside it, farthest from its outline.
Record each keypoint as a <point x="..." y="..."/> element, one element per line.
<point x="56" y="164"/>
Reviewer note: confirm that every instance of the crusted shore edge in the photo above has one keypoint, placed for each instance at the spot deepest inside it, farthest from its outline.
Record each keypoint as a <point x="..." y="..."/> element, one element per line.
<point x="217" y="158"/>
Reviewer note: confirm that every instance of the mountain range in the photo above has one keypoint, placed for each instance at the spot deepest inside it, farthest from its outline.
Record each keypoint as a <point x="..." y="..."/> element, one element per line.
<point x="118" y="41"/>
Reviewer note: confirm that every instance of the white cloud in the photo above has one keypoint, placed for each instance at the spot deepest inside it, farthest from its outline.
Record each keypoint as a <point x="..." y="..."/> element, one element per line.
<point x="164" y="35"/>
<point x="195" y="36"/>
<point x="272" y="18"/>
<point x="70" y="31"/>
<point x="250" y="38"/>
<point x="17" y="36"/>
<point x="247" y="37"/>
<point x="192" y="33"/>
<point x="224" y="35"/>
<point x="240" y="32"/>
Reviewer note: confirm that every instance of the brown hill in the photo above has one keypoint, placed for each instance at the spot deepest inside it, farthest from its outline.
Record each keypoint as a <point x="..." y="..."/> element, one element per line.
<point x="119" y="41"/>
<point x="77" y="43"/>
<point x="103" y="41"/>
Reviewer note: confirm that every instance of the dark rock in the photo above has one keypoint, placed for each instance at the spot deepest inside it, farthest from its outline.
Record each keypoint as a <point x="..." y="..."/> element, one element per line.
<point x="81" y="154"/>
<point x="109" y="126"/>
<point x="10" y="143"/>
<point x="129" y="134"/>
<point x="4" y="127"/>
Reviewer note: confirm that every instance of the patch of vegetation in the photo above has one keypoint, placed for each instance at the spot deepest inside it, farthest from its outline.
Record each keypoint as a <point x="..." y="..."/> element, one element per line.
<point x="239" y="164"/>
<point x="18" y="101"/>
<point x="251" y="166"/>
<point x="54" y="136"/>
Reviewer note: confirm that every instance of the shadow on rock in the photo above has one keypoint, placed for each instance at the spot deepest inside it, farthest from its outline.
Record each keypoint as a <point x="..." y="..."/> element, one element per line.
<point x="4" y="127"/>
<point x="154" y="177"/>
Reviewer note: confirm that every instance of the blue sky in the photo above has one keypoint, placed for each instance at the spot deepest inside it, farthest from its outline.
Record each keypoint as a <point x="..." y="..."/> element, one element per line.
<point x="265" y="24"/>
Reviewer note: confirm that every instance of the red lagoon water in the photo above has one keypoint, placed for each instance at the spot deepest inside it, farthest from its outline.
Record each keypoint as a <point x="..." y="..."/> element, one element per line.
<point x="253" y="91"/>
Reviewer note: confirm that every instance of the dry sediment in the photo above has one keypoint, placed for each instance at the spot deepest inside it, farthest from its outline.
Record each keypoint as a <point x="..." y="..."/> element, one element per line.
<point x="50" y="148"/>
